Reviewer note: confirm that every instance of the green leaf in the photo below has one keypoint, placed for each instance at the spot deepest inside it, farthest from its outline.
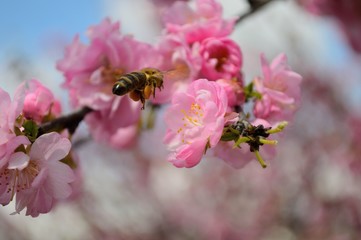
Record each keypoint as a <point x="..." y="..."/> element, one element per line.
<point x="230" y="135"/>
<point x="250" y="93"/>
<point x="31" y="130"/>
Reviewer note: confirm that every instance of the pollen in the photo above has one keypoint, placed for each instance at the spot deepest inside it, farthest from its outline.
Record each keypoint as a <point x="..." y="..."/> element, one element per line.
<point x="193" y="117"/>
<point x="109" y="75"/>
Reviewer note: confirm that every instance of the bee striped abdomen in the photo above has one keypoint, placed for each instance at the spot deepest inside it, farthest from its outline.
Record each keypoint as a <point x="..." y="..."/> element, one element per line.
<point x="129" y="82"/>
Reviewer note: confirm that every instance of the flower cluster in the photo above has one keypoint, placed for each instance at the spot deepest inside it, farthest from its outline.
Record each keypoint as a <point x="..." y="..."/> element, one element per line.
<point x="209" y="113"/>
<point x="194" y="71"/>
<point x="90" y="72"/>
<point x="30" y="166"/>
<point x="196" y="40"/>
<point x="202" y="80"/>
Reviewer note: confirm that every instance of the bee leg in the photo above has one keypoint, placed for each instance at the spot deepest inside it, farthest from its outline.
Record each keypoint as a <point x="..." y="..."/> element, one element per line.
<point x="154" y="87"/>
<point x="147" y="91"/>
<point x="142" y="99"/>
<point x="161" y="87"/>
<point x="136" y="96"/>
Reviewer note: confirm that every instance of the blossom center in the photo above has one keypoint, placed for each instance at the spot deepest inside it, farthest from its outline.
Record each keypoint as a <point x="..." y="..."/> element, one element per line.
<point x="192" y="118"/>
<point x="109" y="74"/>
<point x="16" y="180"/>
<point x="221" y="54"/>
<point x="277" y="84"/>
<point x="106" y="76"/>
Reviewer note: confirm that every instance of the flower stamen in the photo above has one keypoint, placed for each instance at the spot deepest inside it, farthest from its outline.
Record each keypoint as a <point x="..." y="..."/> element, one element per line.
<point x="17" y="180"/>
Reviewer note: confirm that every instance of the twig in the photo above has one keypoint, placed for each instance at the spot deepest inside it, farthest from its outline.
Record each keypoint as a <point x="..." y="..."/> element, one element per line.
<point x="69" y="122"/>
<point x="255" y="6"/>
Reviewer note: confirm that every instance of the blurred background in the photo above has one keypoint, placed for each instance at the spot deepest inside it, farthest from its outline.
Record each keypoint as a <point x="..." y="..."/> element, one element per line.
<point x="311" y="189"/>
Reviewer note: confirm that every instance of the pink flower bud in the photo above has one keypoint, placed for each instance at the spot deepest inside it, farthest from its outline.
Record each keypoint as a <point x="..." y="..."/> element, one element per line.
<point x="222" y="58"/>
<point x="39" y="102"/>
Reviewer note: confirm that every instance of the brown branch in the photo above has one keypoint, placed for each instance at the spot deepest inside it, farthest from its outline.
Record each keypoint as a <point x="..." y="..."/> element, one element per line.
<point x="69" y="122"/>
<point x="255" y="6"/>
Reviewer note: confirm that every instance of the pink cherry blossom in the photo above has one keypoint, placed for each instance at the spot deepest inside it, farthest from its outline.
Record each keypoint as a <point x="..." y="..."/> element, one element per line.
<point x="10" y="111"/>
<point x="119" y="126"/>
<point x="181" y="64"/>
<point x="195" y="120"/>
<point x="197" y="24"/>
<point x="280" y="90"/>
<point x="91" y="70"/>
<point x="221" y="58"/>
<point x="37" y="179"/>
<point x="234" y="90"/>
<point x="39" y="102"/>
<point x="105" y="30"/>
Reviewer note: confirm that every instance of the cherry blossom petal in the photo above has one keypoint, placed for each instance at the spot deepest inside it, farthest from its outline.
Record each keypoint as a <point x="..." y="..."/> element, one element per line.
<point x="57" y="186"/>
<point x="50" y="147"/>
<point x="19" y="161"/>
<point x="188" y="155"/>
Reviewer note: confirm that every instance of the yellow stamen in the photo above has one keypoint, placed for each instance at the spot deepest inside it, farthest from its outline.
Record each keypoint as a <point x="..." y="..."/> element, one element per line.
<point x="192" y="120"/>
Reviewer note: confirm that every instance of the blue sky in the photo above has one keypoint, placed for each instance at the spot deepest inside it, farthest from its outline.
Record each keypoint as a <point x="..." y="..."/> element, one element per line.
<point x="26" y="25"/>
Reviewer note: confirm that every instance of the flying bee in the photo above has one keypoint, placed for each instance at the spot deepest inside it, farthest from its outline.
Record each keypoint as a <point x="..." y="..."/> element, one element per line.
<point x="140" y="85"/>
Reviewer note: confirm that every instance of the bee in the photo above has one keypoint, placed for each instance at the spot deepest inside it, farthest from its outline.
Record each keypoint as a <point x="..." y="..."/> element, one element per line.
<point x="140" y="84"/>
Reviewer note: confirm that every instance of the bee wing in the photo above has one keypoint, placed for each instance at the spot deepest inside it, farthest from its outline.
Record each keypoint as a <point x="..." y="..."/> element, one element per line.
<point x="180" y="72"/>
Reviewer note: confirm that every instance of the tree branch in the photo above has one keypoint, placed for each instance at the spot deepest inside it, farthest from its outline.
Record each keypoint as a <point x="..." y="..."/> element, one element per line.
<point x="69" y="122"/>
<point x="255" y="6"/>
